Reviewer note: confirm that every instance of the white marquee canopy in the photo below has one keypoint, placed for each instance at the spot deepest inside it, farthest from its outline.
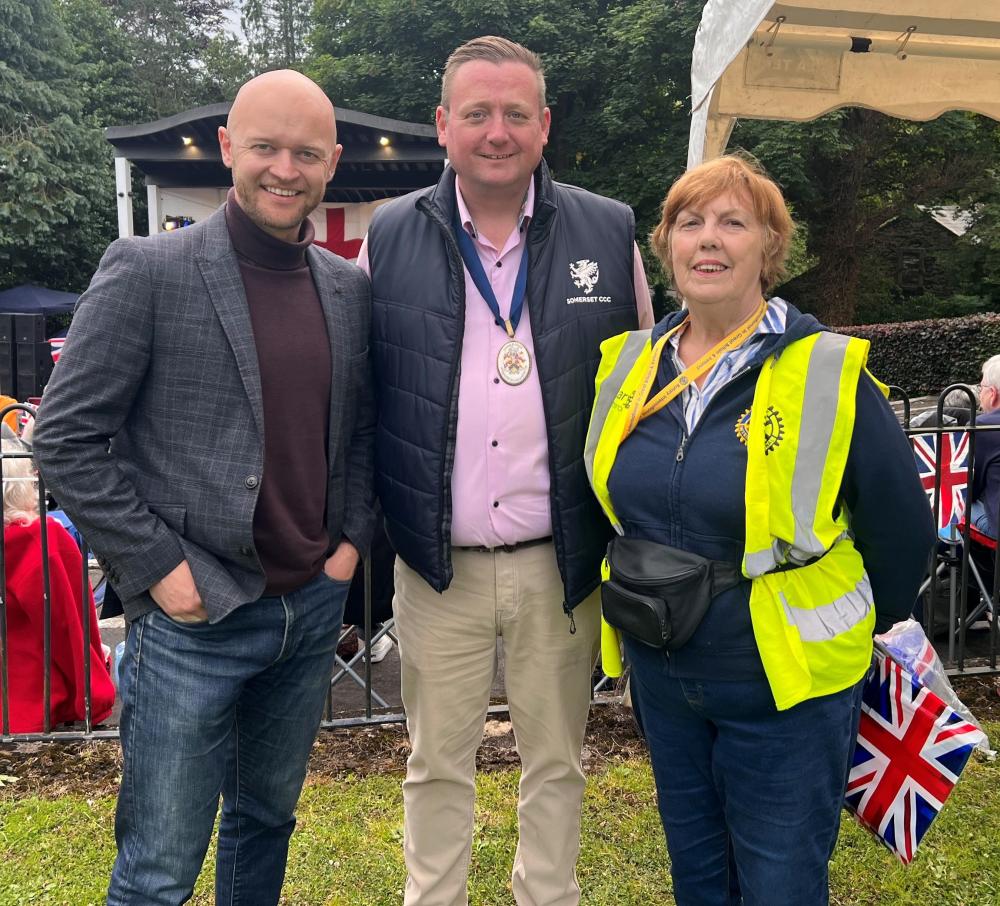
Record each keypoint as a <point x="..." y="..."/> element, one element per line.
<point x="796" y="60"/>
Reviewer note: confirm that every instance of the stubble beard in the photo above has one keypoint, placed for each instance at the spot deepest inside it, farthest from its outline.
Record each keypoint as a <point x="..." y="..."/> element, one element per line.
<point x="246" y="194"/>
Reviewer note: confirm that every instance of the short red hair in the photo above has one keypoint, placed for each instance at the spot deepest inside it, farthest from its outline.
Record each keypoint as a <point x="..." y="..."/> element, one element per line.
<point x="742" y="176"/>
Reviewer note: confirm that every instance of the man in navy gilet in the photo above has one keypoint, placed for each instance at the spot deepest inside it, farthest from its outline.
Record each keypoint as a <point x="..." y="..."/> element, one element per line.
<point x="492" y="292"/>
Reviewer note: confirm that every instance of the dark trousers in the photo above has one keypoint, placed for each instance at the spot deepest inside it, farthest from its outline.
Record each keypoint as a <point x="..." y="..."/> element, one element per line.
<point x="749" y="796"/>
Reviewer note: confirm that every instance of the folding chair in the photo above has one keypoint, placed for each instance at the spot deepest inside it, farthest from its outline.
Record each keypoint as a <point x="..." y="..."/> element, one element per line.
<point x="346" y="667"/>
<point x="987" y="548"/>
<point x="943" y="463"/>
<point x="369" y="601"/>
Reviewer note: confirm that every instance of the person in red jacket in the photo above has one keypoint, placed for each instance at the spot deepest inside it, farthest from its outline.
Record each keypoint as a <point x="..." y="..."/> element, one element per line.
<point x="26" y="616"/>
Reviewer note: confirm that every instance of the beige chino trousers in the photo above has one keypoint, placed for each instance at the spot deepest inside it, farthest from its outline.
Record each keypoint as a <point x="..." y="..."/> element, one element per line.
<point x="447" y="649"/>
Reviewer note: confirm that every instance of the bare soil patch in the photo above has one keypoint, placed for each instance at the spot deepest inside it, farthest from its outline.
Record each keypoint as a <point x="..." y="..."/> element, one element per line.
<point x="90" y="769"/>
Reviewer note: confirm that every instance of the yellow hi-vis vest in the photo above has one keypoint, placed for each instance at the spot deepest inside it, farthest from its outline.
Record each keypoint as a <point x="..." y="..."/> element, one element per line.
<point x="811" y="601"/>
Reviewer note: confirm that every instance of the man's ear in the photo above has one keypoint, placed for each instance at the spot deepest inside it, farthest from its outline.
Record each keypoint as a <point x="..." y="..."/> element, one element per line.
<point x="226" y="146"/>
<point x="441" y="121"/>
<point x="332" y="167"/>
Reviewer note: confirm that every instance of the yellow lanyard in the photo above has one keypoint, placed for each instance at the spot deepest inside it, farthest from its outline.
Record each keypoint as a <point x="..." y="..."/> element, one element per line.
<point x="643" y="407"/>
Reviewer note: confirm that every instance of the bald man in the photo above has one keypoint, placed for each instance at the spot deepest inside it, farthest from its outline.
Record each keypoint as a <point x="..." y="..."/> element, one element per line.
<point x="209" y="429"/>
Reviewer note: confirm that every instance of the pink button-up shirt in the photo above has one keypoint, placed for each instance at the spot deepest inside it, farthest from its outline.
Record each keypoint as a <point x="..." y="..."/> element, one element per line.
<point x="500" y="478"/>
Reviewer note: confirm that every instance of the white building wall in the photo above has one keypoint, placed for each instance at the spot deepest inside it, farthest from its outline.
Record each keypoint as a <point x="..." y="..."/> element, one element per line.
<point x="200" y="203"/>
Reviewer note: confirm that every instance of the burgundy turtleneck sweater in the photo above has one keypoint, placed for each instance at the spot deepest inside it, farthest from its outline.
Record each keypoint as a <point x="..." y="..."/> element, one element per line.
<point x="293" y="353"/>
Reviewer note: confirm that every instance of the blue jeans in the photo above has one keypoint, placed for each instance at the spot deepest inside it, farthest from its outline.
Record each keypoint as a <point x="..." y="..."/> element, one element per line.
<point x="981" y="519"/>
<point x="749" y="796"/>
<point x="231" y="709"/>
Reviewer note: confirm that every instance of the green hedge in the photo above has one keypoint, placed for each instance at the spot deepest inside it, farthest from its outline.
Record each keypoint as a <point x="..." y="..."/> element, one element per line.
<point x="924" y="357"/>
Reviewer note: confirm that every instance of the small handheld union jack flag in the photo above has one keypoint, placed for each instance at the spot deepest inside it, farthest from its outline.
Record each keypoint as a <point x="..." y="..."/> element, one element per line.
<point x="911" y="749"/>
<point x="954" y="472"/>
<point x="56" y="345"/>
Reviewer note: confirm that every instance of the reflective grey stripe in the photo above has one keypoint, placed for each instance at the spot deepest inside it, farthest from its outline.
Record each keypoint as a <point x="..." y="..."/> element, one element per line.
<point x="819" y="410"/>
<point x="820" y="624"/>
<point x="631" y="349"/>
<point x="760" y="562"/>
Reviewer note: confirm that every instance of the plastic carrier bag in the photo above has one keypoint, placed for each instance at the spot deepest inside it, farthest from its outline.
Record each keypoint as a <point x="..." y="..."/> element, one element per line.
<point x="909" y="646"/>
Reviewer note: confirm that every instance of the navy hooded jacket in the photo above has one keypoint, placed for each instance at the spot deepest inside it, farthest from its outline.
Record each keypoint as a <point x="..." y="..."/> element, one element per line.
<point x="688" y="492"/>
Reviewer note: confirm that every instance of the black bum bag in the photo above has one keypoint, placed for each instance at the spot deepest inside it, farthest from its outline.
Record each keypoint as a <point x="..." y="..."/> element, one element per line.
<point x="659" y="594"/>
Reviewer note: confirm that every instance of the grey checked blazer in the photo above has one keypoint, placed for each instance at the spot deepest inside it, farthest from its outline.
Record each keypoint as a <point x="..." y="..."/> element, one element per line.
<point x="160" y="364"/>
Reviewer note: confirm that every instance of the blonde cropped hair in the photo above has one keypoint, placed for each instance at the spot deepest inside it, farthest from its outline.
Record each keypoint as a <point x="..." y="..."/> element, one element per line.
<point x="496" y="50"/>
<point x="20" y="488"/>
<point x="742" y="176"/>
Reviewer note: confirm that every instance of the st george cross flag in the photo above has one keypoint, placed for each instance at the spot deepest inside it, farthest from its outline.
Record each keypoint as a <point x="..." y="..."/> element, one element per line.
<point x="954" y="472"/>
<point x="911" y="749"/>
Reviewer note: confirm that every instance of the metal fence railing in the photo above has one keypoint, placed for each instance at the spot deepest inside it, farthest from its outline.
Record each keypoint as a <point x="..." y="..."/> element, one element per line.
<point x="960" y="591"/>
<point x="957" y="603"/>
<point x="361" y="692"/>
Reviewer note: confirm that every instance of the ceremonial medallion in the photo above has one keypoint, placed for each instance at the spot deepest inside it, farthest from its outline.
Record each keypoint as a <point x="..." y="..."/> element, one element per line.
<point x="514" y="363"/>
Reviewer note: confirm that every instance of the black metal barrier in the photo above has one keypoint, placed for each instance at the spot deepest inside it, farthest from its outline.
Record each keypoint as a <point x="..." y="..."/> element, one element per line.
<point x="961" y="591"/>
<point x="16" y="450"/>
<point x="961" y="588"/>
<point x="379" y="704"/>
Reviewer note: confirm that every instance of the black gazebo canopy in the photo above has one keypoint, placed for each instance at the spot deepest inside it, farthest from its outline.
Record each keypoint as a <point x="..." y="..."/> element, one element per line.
<point x="382" y="157"/>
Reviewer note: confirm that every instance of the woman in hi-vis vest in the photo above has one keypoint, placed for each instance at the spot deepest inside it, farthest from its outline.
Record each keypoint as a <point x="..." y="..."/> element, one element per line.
<point x="770" y="520"/>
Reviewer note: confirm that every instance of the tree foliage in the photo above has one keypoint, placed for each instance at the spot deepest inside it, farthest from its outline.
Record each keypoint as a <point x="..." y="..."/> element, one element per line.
<point x="853" y="171"/>
<point x="55" y="169"/>
<point x="167" y="42"/>
<point x="618" y="74"/>
<point x="112" y="91"/>
<point x="983" y="238"/>
<point x="619" y="83"/>
<point x="277" y="32"/>
<point x="68" y="68"/>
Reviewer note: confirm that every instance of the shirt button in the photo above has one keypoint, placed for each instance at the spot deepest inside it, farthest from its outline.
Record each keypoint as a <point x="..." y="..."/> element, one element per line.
<point x="495" y="443"/>
<point x="246" y="551"/>
<point x="499" y="264"/>
<point x="496" y="503"/>
<point x="251" y="481"/>
<point x="496" y="380"/>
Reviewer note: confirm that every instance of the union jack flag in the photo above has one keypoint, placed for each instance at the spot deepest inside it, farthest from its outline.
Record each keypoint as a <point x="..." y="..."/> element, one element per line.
<point x="954" y="472"/>
<point x="920" y="663"/>
<point x="911" y="749"/>
<point x="56" y="345"/>
<point x="24" y="417"/>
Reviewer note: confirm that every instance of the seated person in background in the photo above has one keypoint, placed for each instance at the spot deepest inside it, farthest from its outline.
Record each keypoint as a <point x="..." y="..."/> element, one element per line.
<point x="956" y="411"/>
<point x="105" y="596"/>
<point x="8" y="425"/>
<point x="25" y="614"/>
<point x="986" y="468"/>
<point x="957" y="405"/>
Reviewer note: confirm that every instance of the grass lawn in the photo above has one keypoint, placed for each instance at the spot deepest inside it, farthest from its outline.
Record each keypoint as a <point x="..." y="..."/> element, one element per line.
<point x="347" y="848"/>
